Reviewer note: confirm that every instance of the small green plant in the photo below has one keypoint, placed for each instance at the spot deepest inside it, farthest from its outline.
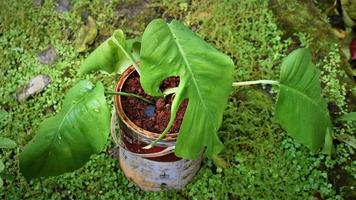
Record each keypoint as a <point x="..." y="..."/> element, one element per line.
<point x="66" y="141"/>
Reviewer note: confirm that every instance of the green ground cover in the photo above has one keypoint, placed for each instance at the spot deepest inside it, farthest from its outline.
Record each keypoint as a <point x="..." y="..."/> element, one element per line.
<point x="264" y="162"/>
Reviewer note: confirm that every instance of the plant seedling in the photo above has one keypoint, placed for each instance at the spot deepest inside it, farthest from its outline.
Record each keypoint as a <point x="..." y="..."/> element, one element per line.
<point x="65" y="142"/>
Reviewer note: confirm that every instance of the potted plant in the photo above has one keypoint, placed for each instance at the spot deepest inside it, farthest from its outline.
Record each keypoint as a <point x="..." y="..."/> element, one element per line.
<point x="65" y="142"/>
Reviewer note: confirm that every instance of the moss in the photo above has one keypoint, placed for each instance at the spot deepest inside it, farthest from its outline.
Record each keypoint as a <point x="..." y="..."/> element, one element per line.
<point x="333" y="90"/>
<point x="309" y="17"/>
<point x="305" y="16"/>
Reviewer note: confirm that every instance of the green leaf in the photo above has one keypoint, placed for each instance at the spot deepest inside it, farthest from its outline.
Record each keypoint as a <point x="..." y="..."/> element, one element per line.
<point x="133" y="47"/>
<point x="7" y="143"/>
<point x="114" y="55"/>
<point x="205" y="79"/>
<point x="347" y="117"/>
<point x="300" y="108"/>
<point x="65" y="142"/>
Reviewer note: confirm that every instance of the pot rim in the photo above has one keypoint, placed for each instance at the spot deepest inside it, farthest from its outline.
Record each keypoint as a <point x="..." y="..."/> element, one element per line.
<point x="125" y="119"/>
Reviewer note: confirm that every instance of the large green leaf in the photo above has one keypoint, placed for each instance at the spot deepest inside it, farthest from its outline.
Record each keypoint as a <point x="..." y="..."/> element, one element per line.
<point x="113" y="55"/>
<point x="205" y="79"/>
<point x="300" y="108"/>
<point x="65" y="142"/>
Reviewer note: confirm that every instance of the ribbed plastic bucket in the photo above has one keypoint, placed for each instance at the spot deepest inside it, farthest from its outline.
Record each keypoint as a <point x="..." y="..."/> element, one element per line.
<point x="151" y="169"/>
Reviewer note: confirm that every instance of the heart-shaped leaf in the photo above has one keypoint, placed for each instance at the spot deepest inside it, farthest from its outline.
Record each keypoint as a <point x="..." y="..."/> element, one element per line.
<point x="300" y="108"/>
<point x="65" y="142"/>
<point x="114" y="55"/>
<point x="205" y="79"/>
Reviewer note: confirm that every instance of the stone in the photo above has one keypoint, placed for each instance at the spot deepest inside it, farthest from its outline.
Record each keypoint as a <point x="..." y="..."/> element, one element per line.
<point x="38" y="3"/>
<point x="130" y="10"/>
<point x="149" y="111"/>
<point x="47" y="56"/>
<point x="63" y="6"/>
<point x="34" y="86"/>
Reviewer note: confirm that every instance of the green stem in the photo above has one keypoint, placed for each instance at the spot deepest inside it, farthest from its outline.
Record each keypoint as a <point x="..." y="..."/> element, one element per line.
<point x="131" y="95"/>
<point x="236" y="84"/>
<point x="127" y="55"/>
<point x="169" y="91"/>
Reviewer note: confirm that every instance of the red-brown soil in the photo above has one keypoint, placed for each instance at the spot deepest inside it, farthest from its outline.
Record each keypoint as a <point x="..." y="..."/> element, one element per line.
<point x="134" y="107"/>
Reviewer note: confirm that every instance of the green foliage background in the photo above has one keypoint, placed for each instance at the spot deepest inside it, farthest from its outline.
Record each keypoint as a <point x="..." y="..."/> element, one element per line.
<point x="265" y="162"/>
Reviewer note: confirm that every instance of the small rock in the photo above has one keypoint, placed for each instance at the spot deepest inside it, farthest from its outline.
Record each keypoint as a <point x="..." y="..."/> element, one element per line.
<point x="38" y="3"/>
<point x="47" y="56"/>
<point x="130" y="10"/>
<point x="63" y="5"/>
<point x="149" y="111"/>
<point x="34" y="86"/>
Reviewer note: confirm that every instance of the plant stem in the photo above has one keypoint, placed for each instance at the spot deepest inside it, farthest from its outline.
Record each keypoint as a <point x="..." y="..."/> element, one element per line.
<point x="131" y="95"/>
<point x="169" y="91"/>
<point x="127" y="55"/>
<point x="236" y="84"/>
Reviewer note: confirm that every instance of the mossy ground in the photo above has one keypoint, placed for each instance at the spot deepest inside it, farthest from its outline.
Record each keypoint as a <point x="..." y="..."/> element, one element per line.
<point x="265" y="162"/>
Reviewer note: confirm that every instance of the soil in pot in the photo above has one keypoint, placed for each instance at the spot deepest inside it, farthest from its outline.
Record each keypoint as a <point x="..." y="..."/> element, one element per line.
<point x="153" y="118"/>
